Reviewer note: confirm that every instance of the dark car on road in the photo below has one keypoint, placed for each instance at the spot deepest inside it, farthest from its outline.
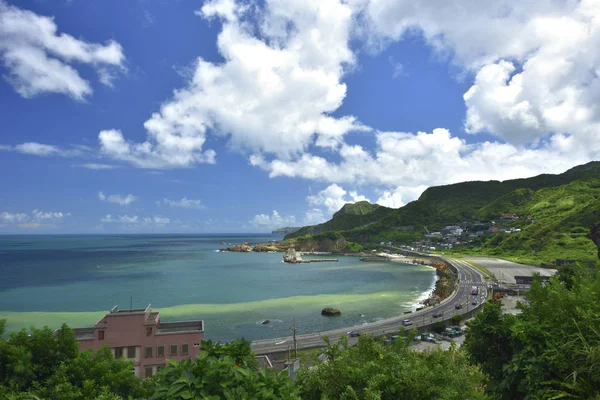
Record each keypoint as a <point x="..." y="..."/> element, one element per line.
<point x="474" y="303"/>
<point x="353" y="334"/>
<point x="458" y="306"/>
<point x="437" y="315"/>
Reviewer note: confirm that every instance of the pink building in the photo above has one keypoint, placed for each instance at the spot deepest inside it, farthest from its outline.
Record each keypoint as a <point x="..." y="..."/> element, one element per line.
<point x="140" y="336"/>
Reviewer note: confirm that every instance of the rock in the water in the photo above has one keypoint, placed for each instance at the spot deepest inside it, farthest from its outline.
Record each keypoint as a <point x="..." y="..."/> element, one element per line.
<point x="330" y="312"/>
<point x="243" y="248"/>
<point x="266" y="322"/>
<point x="291" y="256"/>
<point x="261" y="247"/>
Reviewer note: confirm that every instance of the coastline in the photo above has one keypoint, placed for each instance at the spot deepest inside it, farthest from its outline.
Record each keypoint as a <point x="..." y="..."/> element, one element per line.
<point x="258" y="287"/>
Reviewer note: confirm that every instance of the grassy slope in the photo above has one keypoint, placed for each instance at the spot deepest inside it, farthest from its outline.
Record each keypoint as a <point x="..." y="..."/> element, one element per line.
<point x="348" y="217"/>
<point x="563" y="206"/>
<point x="562" y="216"/>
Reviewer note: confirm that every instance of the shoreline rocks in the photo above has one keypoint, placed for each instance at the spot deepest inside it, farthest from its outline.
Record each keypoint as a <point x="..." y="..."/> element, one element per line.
<point x="330" y="312"/>
<point x="263" y="248"/>
<point x="240" y="248"/>
<point x="446" y="282"/>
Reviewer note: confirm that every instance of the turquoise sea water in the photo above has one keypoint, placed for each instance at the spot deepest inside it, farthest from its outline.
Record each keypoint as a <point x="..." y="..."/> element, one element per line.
<point x="47" y="280"/>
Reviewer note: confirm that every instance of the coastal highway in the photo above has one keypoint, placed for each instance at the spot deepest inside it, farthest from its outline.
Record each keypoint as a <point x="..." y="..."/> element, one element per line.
<point x="467" y="278"/>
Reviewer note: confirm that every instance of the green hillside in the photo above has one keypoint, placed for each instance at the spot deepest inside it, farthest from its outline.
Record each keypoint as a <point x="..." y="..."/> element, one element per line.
<point x="562" y="207"/>
<point x="348" y="217"/>
<point x="559" y="228"/>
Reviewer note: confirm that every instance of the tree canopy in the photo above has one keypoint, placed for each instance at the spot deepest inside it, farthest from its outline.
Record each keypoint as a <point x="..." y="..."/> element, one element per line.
<point x="551" y="349"/>
<point x="371" y="370"/>
<point x="50" y="366"/>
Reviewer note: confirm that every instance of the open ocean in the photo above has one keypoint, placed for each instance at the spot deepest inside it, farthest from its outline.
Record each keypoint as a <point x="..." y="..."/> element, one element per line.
<point x="51" y="279"/>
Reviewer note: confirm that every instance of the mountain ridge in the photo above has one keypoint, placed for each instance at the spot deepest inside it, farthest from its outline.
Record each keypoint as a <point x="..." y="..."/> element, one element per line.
<point x="563" y="205"/>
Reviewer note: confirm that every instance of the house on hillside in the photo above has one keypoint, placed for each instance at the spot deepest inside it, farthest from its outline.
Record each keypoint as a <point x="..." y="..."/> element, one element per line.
<point x="509" y="217"/>
<point x="434" y="235"/>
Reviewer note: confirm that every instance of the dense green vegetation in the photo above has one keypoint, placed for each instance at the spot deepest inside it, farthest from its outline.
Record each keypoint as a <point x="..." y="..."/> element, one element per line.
<point x="332" y="241"/>
<point x="561" y="206"/>
<point x="51" y="367"/>
<point x="227" y="371"/>
<point x="559" y="228"/>
<point x="370" y="370"/>
<point x="549" y="351"/>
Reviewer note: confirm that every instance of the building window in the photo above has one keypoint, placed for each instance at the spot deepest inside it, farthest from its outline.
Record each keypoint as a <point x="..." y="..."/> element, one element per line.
<point x="149" y="331"/>
<point x="148" y="352"/>
<point x="100" y="335"/>
<point x="173" y="350"/>
<point x="185" y="349"/>
<point x="131" y="352"/>
<point x="160" y="351"/>
<point x="118" y="352"/>
<point x="148" y="372"/>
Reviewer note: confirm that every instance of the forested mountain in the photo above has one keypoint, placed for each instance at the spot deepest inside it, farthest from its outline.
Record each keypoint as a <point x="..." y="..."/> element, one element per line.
<point x="561" y="208"/>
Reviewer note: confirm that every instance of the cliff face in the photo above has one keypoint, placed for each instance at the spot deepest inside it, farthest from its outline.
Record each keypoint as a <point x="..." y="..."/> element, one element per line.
<point x="324" y="244"/>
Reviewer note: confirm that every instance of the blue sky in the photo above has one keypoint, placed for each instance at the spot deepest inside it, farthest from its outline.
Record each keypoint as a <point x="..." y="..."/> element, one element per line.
<point x="236" y="116"/>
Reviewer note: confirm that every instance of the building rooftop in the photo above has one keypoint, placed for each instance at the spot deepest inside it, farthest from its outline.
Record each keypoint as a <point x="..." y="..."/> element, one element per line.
<point x="115" y="310"/>
<point x="166" y="328"/>
<point x="84" y="333"/>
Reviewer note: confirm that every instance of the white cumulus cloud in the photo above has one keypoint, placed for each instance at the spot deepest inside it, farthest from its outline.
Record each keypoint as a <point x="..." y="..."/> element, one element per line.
<point x="184" y="203"/>
<point x="97" y="166"/>
<point x="127" y="219"/>
<point x="39" y="60"/>
<point x="10" y="218"/>
<point x="273" y="92"/>
<point x="413" y="160"/>
<point x="46" y="150"/>
<point x="122" y="200"/>
<point x="536" y="62"/>
<point x="333" y="197"/>
<point x="399" y="196"/>
<point x="34" y="220"/>
<point x="273" y="221"/>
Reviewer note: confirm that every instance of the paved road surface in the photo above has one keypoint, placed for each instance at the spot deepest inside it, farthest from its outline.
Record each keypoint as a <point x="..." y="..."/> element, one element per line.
<point x="468" y="277"/>
<point x="507" y="270"/>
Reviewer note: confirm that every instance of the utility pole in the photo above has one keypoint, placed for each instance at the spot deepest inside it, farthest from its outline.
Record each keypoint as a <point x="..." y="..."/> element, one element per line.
<point x="295" y="344"/>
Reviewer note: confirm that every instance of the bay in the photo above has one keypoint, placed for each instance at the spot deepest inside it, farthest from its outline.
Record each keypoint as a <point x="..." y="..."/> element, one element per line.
<point x="51" y="279"/>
